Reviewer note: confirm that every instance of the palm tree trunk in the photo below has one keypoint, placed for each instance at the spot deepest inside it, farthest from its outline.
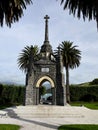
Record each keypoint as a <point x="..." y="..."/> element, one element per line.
<point x="67" y="85"/>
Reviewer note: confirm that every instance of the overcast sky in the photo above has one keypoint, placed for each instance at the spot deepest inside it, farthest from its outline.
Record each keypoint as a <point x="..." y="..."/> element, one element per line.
<point x="62" y="26"/>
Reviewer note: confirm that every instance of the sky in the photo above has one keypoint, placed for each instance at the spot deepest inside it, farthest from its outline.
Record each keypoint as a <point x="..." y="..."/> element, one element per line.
<point x="30" y="30"/>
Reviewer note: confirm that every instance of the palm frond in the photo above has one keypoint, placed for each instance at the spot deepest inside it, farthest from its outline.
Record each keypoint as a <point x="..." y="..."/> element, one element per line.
<point x="71" y="55"/>
<point x="85" y="8"/>
<point x="12" y="10"/>
<point x="27" y="54"/>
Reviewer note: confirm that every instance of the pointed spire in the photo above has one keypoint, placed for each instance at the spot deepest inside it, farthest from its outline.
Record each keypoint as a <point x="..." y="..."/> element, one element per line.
<point x="46" y="47"/>
<point x="46" y="29"/>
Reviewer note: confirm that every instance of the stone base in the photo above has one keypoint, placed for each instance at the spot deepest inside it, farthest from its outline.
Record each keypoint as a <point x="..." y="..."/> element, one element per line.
<point x="44" y="111"/>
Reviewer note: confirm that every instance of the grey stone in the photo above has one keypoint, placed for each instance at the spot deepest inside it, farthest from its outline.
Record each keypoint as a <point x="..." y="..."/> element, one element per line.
<point x="47" y="68"/>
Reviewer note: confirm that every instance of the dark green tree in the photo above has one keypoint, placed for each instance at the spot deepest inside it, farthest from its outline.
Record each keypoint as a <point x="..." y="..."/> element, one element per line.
<point x="86" y="8"/>
<point x="27" y="54"/>
<point x="12" y="10"/>
<point x="1" y="88"/>
<point x="42" y="90"/>
<point x="94" y="82"/>
<point x="71" y="59"/>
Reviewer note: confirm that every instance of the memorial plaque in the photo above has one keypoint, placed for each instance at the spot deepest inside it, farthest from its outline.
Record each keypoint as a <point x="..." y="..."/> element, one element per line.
<point x="44" y="69"/>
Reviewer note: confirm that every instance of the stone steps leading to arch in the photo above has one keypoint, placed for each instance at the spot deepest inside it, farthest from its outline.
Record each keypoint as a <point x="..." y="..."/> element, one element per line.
<point x="45" y="111"/>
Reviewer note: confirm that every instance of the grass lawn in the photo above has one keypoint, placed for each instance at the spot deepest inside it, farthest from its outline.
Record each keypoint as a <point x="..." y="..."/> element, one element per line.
<point x="78" y="127"/>
<point x="90" y="105"/>
<point x="9" y="127"/>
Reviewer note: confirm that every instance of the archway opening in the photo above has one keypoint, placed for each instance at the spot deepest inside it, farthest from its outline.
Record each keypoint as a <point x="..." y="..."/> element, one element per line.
<point x="45" y="93"/>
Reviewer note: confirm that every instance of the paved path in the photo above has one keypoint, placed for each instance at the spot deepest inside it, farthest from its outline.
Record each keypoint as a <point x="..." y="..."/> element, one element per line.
<point x="89" y="117"/>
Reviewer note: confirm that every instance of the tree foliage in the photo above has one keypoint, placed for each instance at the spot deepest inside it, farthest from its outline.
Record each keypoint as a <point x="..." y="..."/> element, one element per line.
<point x="11" y="94"/>
<point x="42" y="90"/>
<point x="84" y="93"/>
<point x="71" y="59"/>
<point x="12" y="10"/>
<point x="71" y="55"/>
<point x="86" y="8"/>
<point x="28" y="53"/>
<point x="94" y="82"/>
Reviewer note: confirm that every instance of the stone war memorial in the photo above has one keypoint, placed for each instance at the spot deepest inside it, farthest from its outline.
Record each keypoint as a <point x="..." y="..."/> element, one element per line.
<point x="47" y="68"/>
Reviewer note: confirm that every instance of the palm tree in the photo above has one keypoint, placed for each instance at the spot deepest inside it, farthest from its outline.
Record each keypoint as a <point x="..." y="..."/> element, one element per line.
<point x="28" y="53"/>
<point x="71" y="59"/>
<point x="87" y="8"/>
<point x="12" y="10"/>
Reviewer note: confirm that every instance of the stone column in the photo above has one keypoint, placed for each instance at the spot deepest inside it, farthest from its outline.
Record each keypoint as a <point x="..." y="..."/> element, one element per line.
<point x="29" y="95"/>
<point x="37" y="96"/>
<point x="46" y="28"/>
<point x="60" y="81"/>
<point x="53" y="96"/>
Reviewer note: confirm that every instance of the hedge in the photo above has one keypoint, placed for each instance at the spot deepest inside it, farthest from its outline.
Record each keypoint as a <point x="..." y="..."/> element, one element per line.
<point x="11" y="94"/>
<point x="84" y="93"/>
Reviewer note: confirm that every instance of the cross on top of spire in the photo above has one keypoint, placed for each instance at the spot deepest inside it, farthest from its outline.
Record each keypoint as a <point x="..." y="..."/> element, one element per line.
<point x="46" y="17"/>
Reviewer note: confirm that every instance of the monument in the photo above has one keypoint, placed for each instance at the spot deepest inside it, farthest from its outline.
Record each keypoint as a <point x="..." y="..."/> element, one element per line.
<point x="47" y="68"/>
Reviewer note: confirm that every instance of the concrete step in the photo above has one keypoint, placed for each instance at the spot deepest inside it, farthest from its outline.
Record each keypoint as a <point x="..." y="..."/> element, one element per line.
<point x="3" y="114"/>
<point x="42" y="111"/>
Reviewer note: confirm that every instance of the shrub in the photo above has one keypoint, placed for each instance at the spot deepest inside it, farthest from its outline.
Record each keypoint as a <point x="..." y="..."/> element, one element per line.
<point x="85" y="93"/>
<point x="95" y="81"/>
<point x="88" y="98"/>
<point x="11" y="94"/>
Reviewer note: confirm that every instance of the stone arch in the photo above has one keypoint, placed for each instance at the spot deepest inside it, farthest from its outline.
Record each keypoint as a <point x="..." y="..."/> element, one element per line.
<point x="45" y="68"/>
<point x="45" y="78"/>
